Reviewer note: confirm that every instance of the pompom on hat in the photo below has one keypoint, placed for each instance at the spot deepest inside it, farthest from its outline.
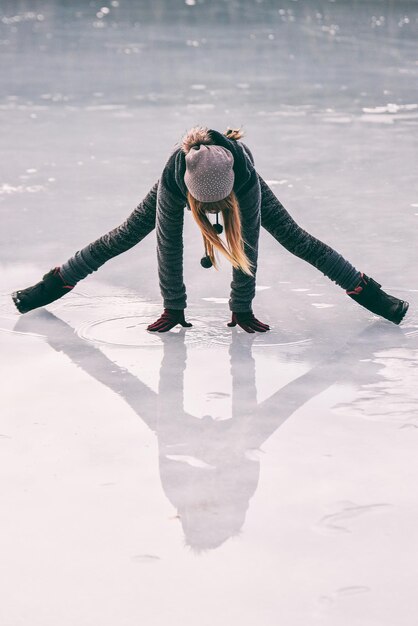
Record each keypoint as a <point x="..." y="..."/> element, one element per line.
<point x="209" y="173"/>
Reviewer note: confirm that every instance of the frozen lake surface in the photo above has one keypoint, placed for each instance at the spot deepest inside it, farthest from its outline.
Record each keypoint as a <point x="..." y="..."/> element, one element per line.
<point x="207" y="476"/>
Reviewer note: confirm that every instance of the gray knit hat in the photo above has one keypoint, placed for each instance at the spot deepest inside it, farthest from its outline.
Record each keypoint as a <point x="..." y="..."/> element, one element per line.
<point x="209" y="172"/>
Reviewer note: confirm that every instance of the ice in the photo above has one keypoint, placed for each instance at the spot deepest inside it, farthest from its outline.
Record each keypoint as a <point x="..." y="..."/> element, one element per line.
<point x="7" y="189"/>
<point x="145" y="558"/>
<point x="217" y="300"/>
<point x="207" y="476"/>
<point x="190" y="460"/>
<point x="339" y="521"/>
<point x="322" y="305"/>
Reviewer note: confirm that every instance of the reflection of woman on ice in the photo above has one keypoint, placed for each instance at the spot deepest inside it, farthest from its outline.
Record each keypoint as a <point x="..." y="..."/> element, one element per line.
<point x="213" y="174"/>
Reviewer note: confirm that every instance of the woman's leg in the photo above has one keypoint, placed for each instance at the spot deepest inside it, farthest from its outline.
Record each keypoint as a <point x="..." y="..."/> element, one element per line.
<point x="137" y="226"/>
<point x="364" y="290"/>
<point x="277" y="221"/>
<point x="60" y="280"/>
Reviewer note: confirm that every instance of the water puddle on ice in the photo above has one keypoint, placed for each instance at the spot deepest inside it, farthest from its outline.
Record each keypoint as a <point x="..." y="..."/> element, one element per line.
<point x="131" y="331"/>
<point x="127" y="331"/>
<point x="121" y="321"/>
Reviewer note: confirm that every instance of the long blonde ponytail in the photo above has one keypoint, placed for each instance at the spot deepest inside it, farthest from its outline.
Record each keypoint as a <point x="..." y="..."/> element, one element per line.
<point x="234" y="250"/>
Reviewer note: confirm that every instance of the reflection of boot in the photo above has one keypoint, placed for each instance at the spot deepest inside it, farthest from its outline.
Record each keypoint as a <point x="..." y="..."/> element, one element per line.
<point x="50" y="288"/>
<point x="372" y="297"/>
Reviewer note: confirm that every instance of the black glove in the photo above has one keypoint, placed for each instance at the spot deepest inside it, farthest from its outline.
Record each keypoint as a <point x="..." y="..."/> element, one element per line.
<point x="248" y="322"/>
<point x="167" y="321"/>
<point x="50" y="288"/>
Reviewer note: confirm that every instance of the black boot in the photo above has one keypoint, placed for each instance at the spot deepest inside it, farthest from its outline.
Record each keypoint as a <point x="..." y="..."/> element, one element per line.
<point x="50" y="288"/>
<point x="372" y="297"/>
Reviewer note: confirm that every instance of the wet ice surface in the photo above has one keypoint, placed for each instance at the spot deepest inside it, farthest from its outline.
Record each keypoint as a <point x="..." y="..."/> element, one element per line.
<point x="207" y="476"/>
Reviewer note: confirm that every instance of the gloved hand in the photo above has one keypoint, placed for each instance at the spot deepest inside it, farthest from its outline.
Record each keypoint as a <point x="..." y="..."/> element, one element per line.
<point x="50" y="288"/>
<point x="248" y="322"/>
<point x="167" y="321"/>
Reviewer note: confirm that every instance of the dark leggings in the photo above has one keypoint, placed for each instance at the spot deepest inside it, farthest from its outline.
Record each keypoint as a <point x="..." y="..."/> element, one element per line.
<point x="274" y="218"/>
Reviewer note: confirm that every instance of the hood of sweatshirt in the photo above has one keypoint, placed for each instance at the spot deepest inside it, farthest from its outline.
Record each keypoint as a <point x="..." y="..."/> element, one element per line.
<point x="244" y="171"/>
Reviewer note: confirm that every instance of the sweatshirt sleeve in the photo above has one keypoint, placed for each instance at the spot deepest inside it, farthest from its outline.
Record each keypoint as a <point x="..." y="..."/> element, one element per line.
<point x="243" y="285"/>
<point x="249" y="199"/>
<point x="169" y="230"/>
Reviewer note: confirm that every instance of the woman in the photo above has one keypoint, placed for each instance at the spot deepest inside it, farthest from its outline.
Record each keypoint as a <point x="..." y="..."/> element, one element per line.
<point x="211" y="173"/>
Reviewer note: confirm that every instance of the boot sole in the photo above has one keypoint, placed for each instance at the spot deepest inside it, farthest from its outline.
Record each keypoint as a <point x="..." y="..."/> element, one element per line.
<point x="402" y="312"/>
<point x="17" y="303"/>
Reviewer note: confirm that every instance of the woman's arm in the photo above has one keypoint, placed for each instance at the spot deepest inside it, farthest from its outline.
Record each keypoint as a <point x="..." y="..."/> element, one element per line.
<point x="243" y="285"/>
<point x="169" y="228"/>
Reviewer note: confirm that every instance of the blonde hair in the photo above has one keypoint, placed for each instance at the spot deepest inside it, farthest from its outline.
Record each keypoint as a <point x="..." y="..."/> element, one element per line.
<point x="234" y="248"/>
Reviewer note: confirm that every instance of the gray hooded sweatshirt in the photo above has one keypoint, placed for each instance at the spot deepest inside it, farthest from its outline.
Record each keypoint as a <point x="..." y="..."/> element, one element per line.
<point x="171" y="200"/>
<point x="163" y="209"/>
